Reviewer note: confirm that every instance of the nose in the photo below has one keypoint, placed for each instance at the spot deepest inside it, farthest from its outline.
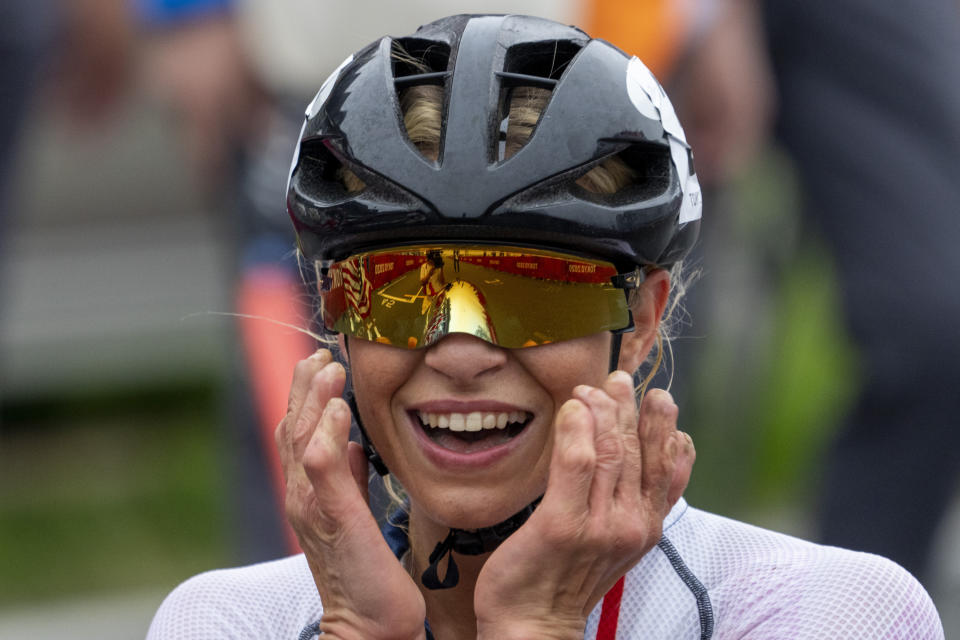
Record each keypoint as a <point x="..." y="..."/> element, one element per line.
<point x="464" y="358"/>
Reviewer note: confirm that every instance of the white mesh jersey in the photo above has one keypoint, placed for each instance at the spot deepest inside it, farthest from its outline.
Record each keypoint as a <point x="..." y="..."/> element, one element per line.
<point x="710" y="577"/>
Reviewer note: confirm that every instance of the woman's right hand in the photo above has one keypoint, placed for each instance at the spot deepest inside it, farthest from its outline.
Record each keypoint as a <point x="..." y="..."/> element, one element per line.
<point x="366" y="593"/>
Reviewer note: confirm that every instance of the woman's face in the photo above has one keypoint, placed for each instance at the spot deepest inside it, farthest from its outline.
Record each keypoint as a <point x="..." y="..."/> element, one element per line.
<point x="414" y="401"/>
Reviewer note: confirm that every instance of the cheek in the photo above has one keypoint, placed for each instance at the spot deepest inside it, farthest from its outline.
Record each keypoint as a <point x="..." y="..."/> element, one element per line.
<point x="377" y="372"/>
<point x="562" y="366"/>
<point x="378" y="364"/>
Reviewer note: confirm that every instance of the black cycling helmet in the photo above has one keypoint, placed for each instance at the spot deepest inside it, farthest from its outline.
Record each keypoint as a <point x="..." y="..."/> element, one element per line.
<point x="602" y="103"/>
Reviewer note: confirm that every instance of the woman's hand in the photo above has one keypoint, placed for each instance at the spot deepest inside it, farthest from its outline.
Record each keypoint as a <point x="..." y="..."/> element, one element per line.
<point x="366" y="594"/>
<point x="613" y="479"/>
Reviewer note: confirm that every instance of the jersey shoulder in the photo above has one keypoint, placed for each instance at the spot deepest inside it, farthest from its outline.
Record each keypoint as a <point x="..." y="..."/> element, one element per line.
<point x="761" y="582"/>
<point x="274" y="599"/>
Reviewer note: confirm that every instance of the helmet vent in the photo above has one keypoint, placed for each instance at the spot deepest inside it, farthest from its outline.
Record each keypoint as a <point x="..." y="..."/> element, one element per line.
<point x="530" y="72"/>
<point x="638" y="172"/>
<point x="535" y="62"/>
<point x="420" y="74"/>
<point x="324" y="174"/>
<point x="520" y="111"/>
<point x="417" y="61"/>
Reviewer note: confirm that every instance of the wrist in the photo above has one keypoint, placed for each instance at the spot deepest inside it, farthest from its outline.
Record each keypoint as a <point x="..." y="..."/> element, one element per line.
<point x="349" y="627"/>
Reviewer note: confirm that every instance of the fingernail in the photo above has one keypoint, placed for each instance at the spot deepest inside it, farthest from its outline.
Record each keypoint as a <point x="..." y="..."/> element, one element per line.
<point x="663" y="395"/>
<point x="335" y="408"/>
<point x="570" y="407"/>
<point x="582" y="391"/>
<point x="332" y="369"/>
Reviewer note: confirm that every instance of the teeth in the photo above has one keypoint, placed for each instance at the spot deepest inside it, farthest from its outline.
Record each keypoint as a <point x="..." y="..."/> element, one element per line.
<point x="474" y="421"/>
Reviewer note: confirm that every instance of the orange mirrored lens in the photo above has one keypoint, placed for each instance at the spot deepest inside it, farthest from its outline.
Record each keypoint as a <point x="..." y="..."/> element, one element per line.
<point x="413" y="296"/>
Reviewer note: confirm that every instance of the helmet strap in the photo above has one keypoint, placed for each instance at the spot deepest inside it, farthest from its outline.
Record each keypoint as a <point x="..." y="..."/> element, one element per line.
<point x="472" y="542"/>
<point x="368" y="448"/>
<point x="378" y="464"/>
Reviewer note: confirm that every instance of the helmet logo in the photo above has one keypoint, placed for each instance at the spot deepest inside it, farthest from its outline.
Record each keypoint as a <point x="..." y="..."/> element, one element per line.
<point x="691" y="207"/>
<point x="641" y="87"/>
<point x="651" y="100"/>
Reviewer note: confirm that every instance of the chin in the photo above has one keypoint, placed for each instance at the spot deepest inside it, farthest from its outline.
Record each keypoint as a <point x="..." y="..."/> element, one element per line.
<point x="478" y="511"/>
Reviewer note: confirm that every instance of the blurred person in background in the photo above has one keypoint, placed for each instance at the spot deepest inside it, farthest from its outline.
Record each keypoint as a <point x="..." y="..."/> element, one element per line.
<point x="81" y="51"/>
<point x="77" y="50"/>
<point x="27" y="34"/>
<point x="868" y="96"/>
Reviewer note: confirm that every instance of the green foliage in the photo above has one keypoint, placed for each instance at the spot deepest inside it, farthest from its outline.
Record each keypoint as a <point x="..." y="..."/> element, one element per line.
<point x="807" y="384"/>
<point x="101" y="496"/>
<point x="777" y="374"/>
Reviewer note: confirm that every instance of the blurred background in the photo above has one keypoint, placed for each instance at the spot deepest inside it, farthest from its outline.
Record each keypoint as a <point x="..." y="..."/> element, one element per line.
<point x="145" y="151"/>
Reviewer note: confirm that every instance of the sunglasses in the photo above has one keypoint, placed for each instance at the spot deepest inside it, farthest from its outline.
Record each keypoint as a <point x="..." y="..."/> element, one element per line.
<point x="411" y="297"/>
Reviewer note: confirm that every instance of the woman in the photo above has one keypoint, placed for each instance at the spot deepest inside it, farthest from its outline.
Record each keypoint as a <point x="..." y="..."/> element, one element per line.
<point x="494" y="207"/>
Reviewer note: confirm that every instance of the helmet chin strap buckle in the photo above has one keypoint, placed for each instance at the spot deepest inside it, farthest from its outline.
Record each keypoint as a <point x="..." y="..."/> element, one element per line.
<point x="472" y="542"/>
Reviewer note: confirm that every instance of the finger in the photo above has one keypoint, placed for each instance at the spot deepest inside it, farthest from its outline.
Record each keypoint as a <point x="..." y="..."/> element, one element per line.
<point x="572" y="462"/>
<point x="658" y="446"/>
<point x="607" y="445"/>
<point x="686" y="456"/>
<point x="326" y="462"/>
<point x="360" y="469"/>
<point x="302" y="375"/>
<point x="299" y="387"/>
<point x="325" y="385"/>
<point x="619" y="386"/>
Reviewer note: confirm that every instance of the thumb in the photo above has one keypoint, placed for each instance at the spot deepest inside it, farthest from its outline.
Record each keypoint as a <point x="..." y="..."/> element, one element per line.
<point x="359" y="469"/>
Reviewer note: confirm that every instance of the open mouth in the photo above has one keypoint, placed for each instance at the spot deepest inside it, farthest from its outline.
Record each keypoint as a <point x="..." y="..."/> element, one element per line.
<point x="474" y="431"/>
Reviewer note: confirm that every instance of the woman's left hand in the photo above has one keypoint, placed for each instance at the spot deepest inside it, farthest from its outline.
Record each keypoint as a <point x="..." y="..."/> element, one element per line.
<point x="614" y="476"/>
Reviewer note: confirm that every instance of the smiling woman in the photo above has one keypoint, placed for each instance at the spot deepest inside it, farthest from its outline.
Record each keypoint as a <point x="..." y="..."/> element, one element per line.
<point x="494" y="207"/>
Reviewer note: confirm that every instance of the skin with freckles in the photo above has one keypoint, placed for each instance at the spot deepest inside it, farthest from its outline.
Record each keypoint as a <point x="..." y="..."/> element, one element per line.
<point x="608" y="473"/>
